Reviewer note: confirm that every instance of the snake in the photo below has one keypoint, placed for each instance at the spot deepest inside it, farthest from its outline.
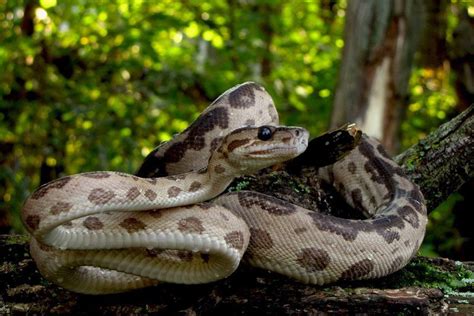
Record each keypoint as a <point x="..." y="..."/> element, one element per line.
<point x="107" y="232"/>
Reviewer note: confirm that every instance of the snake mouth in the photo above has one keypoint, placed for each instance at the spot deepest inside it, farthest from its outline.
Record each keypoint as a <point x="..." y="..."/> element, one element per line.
<point x="276" y="151"/>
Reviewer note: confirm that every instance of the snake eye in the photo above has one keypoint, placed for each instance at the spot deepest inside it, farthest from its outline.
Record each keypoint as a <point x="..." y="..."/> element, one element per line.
<point x="264" y="133"/>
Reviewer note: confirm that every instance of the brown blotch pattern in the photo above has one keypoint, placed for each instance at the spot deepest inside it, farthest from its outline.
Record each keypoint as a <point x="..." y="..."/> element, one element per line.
<point x="260" y="239"/>
<point x="215" y="144"/>
<point x="270" y="204"/>
<point x="44" y="189"/>
<point x="132" y="224"/>
<point x="386" y="226"/>
<point x="96" y="175"/>
<point x="409" y="214"/>
<point x="313" y="259"/>
<point x="237" y="143"/>
<point x="352" y="167"/>
<point x="219" y="169"/>
<point x="300" y="230"/>
<point x="381" y="170"/>
<point x="195" y="138"/>
<point x="100" y="196"/>
<point x="358" y="270"/>
<point x="173" y="191"/>
<point x="33" y="221"/>
<point x="243" y="97"/>
<point x="235" y="239"/>
<point x="151" y="195"/>
<point x="92" y="223"/>
<point x="356" y="196"/>
<point x="60" y="207"/>
<point x="250" y="122"/>
<point x="176" y="177"/>
<point x="133" y="193"/>
<point x="191" y="225"/>
<point x="272" y="112"/>
<point x="196" y="185"/>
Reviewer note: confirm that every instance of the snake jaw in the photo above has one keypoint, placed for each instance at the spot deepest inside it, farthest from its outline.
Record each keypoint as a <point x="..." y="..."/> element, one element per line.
<point x="251" y="149"/>
<point x="276" y="151"/>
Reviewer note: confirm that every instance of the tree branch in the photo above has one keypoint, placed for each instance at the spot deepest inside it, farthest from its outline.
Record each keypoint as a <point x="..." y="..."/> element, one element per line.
<point x="442" y="162"/>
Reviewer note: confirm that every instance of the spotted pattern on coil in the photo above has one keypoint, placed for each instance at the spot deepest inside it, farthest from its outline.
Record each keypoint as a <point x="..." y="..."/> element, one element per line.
<point x="235" y="239"/>
<point x="151" y="195"/>
<point x="313" y="259"/>
<point x="33" y="221"/>
<point x="96" y="175"/>
<point x="173" y="191"/>
<point x="60" y="207"/>
<point x="92" y="223"/>
<point x="191" y="224"/>
<point x="386" y="226"/>
<point x="131" y="224"/>
<point x="195" y="140"/>
<point x="358" y="270"/>
<point x="270" y="204"/>
<point x="100" y="196"/>
<point x="260" y="239"/>
<point x="133" y="193"/>
<point x="45" y="188"/>
<point x="243" y="97"/>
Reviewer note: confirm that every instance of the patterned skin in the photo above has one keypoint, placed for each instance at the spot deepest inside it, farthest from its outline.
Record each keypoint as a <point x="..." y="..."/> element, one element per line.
<point x="331" y="248"/>
<point x="107" y="232"/>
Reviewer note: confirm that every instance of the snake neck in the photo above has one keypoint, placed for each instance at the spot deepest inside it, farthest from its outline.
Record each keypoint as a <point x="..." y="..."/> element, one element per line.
<point x="195" y="187"/>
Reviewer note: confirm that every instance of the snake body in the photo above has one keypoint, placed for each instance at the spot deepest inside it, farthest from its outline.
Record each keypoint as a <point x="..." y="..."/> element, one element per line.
<point x="107" y="232"/>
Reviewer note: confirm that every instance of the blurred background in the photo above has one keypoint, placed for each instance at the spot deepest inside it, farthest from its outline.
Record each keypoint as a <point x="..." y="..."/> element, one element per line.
<point x="88" y="85"/>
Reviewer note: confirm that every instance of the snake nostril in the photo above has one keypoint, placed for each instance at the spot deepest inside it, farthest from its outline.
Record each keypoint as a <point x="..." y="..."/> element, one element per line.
<point x="297" y="132"/>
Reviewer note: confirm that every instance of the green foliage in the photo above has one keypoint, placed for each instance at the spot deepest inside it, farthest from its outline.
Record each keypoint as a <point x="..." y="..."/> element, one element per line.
<point x="443" y="237"/>
<point x="433" y="101"/>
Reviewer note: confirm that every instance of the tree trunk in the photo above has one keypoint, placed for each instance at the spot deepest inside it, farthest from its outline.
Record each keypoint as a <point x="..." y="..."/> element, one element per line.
<point x="379" y="48"/>
<point x="462" y="59"/>
<point x="433" y="51"/>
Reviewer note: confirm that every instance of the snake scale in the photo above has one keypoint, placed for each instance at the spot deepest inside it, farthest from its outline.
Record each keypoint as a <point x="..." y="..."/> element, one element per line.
<point x="107" y="232"/>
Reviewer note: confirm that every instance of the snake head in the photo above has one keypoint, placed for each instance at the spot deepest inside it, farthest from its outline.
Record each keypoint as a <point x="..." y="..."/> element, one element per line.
<point x="249" y="149"/>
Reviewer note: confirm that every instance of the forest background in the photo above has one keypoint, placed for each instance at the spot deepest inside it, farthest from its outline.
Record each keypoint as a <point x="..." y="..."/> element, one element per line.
<point x="88" y="85"/>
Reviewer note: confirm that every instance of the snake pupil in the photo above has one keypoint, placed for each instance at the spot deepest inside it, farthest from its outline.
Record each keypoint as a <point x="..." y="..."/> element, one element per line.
<point x="264" y="133"/>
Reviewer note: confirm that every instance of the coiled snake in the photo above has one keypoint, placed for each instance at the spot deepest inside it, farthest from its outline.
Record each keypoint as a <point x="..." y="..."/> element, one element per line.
<point x="106" y="232"/>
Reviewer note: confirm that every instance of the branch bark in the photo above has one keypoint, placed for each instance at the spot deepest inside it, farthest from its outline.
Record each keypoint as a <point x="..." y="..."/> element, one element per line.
<point x="442" y="162"/>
